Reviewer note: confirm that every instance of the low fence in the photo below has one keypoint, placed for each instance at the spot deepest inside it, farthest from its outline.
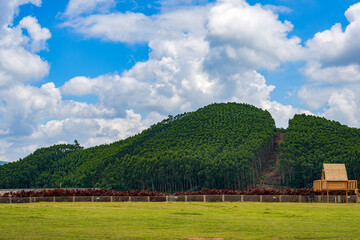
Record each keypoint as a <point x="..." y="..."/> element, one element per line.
<point x="182" y="198"/>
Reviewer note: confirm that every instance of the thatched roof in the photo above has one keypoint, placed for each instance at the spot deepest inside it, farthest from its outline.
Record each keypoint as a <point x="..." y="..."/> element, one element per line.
<point x="334" y="172"/>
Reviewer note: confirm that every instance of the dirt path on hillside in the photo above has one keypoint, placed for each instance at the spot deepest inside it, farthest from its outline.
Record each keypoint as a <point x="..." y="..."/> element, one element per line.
<point x="269" y="177"/>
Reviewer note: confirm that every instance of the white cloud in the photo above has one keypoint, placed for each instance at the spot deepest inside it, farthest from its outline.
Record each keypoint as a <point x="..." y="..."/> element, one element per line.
<point x="277" y="9"/>
<point x="116" y="27"/>
<point x="334" y="74"/>
<point x="343" y="107"/>
<point x="89" y="132"/>
<point x="335" y="103"/>
<point x="198" y="55"/>
<point x="38" y="35"/>
<point x="27" y="106"/>
<point x="315" y="97"/>
<point x="251" y="88"/>
<point x="241" y="35"/>
<point x="80" y="86"/>
<point x="136" y="27"/>
<point x="333" y="68"/>
<point x="282" y="113"/>
<point x="338" y="47"/>
<point x="78" y="7"/>
<point x="336" y="52"/>
<point x="17" y="64"/>
<point x="9" y="9"/>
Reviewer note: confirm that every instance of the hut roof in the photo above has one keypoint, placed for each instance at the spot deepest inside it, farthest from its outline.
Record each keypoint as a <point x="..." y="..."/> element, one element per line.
<point x="334" y="172"/>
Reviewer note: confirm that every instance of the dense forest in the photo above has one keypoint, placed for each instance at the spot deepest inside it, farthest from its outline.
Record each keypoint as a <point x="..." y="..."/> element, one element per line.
<point x="311" y="141"/>
<point x="218" y="146"/>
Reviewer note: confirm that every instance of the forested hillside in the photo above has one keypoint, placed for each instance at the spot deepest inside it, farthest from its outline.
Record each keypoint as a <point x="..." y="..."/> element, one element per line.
<point x="218" y="146"/>
<point x="309" y="142"/>
<point x="34" y="170"/>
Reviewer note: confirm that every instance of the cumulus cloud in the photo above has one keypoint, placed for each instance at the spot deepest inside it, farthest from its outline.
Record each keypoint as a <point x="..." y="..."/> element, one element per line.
<point x="26" y="106"/>
<point x="38" y="35"/>
<point x="334" y="74"/>
<point x="198" y="55"/>
<point x="88" y="132"/>
<point x="343" y="107"/>
<point x="315" y="97"/>
<point x="338" y="47"/>
<point x="340" y="103"/>
<point x="249" y="36"/>
<point x="18" y="63"/>
<point x="333" y="71"/>
<point x="334" y="53"/>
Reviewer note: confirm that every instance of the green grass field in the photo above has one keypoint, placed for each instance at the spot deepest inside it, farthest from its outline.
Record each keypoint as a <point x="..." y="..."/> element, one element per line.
<point x="131" y="220"/>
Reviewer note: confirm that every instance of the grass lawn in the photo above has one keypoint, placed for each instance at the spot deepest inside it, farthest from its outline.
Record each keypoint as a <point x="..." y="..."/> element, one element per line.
<point x="129" y="220"/>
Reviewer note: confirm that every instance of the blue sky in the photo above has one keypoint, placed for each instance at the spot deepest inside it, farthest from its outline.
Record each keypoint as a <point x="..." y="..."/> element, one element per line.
<point x="102" y="70"/>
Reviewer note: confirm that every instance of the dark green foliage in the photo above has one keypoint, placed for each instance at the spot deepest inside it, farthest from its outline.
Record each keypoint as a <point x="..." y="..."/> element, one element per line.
<point x="218" y="146"/>
<point x="311" y="141"/>
<point x="36" y="169"/>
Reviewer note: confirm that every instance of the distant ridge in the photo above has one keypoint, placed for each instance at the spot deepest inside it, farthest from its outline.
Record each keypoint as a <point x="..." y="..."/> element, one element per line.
<point x="2" y="162"/>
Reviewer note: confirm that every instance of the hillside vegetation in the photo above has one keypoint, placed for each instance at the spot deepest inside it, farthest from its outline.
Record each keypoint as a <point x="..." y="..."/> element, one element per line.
<point x="218" y="146"/>
<point x="311" y="141"/>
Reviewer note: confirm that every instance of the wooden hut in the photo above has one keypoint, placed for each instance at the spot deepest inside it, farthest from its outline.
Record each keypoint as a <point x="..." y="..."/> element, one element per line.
<point x="334" y="178"/>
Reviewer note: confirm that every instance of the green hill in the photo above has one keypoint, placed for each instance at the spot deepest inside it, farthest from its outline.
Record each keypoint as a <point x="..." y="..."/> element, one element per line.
<point x="309" y="142"/>
<point x="2" y="162"/>
<point x="218" y="146"/>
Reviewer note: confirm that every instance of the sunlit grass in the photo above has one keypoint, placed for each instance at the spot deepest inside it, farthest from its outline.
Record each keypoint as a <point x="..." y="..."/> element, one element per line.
<point x="129" y="220"/>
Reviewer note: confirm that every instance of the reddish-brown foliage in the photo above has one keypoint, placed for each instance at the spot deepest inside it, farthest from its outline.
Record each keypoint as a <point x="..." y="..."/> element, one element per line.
<point x="79" y="192"/>
<point x="104" y="192"/>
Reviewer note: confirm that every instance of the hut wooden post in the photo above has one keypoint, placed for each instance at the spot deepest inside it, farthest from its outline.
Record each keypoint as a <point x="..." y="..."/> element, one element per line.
<point x="327" y="195"/>
<point x="347" y="200"/>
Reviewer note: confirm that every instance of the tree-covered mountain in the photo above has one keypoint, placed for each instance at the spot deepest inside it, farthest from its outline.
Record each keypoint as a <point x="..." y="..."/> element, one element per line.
<point x="218" y="146"/>
<point x="2" y="162"/>
<point x="311" y="141"/>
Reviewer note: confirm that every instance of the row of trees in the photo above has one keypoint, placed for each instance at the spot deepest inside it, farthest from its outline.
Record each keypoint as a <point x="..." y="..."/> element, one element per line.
<point x="218" y="146"/>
